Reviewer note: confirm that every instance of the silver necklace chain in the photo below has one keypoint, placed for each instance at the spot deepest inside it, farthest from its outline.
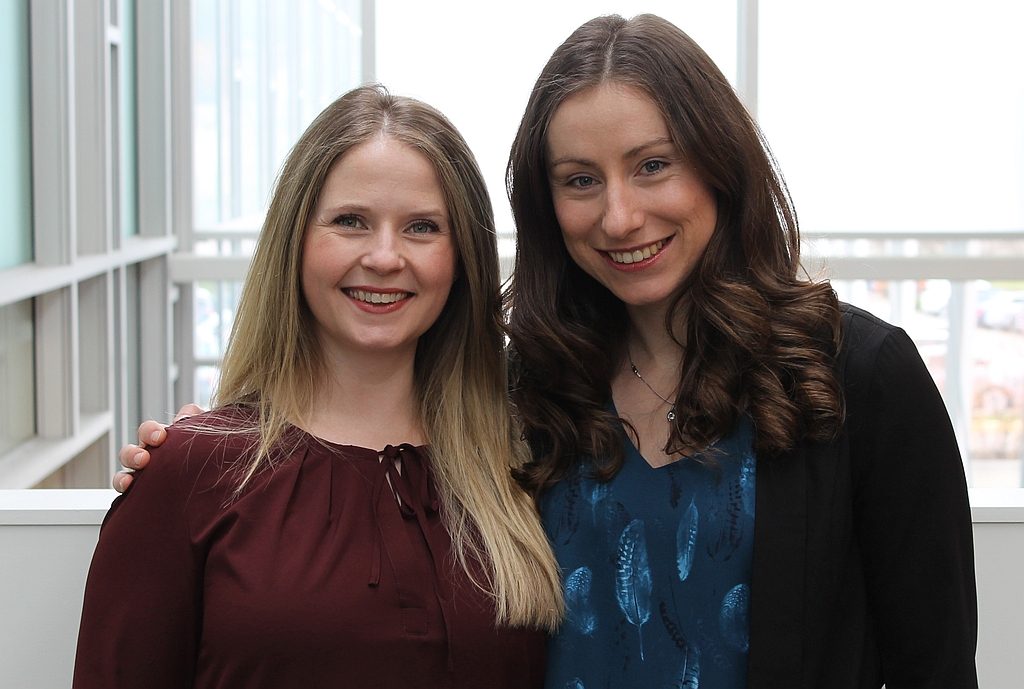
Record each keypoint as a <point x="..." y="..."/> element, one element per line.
<point x="671" y="415"/>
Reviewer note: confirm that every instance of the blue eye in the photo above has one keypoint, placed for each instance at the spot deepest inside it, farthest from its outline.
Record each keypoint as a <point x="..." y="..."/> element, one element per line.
<point x="423" y="227"/>
<point x="581" y="182"/>
<point x="653" y="166"/>
<point x="347" y="221"/>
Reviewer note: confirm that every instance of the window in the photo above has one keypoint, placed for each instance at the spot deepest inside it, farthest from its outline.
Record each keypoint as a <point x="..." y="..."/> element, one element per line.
<point x="970" y="334"/>
<point x="896" y="116"/>
<point x="124" y="72"/>
<point x="261" y="73"/>
<point x="17" y="342"/>
<point x="898" y="127"/>
<point x="15" y="128"/>
<point x="78" y="370"/>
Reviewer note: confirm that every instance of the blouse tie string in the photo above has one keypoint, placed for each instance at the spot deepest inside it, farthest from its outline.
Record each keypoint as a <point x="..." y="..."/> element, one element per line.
<point x="389" y="476"/>
<point x="415" y="496"/>
<point x="434" y="533"/>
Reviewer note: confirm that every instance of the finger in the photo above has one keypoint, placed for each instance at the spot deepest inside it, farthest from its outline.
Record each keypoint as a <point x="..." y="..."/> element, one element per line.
<point x="125" y="454"/>
<point x="151" y="433"/>
<point x="122" y="481"/>
<point x="189" y="409"/>
<point x="133" y="457"/>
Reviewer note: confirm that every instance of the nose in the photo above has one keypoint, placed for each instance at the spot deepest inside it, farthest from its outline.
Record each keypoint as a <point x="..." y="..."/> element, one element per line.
<point x="623" y="212"/>
<point x="384" y="253"/>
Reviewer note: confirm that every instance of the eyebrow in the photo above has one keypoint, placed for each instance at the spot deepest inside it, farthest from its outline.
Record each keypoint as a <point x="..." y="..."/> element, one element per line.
<point x="356" y="208"/>
<point x="636" y="150"/>
<point x="653" y="143"/>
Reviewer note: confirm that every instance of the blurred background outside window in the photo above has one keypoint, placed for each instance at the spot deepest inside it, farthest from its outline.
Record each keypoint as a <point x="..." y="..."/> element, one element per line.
<point x="897" y="126"/>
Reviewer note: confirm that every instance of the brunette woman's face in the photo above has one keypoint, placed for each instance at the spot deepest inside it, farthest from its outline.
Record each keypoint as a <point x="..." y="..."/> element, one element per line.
<point x="634" y="213"/>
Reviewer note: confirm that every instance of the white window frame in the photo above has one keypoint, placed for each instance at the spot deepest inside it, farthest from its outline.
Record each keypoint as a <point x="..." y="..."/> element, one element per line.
<point x="78" y="278"/>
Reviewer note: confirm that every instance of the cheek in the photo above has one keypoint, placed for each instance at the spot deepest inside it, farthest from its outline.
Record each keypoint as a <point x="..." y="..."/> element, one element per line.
<point x="570" y="219"/>
<point x="702" y="206"/>
<point x="311" y="274"/>
<point x="311" y="262"/>
<point x="445" y="268"/>
<point x="573" y="223"/>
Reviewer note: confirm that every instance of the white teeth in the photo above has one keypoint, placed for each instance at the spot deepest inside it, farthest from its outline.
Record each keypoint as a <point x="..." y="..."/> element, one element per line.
<point x="376" y="297"/>
<point x="637" y="255"/>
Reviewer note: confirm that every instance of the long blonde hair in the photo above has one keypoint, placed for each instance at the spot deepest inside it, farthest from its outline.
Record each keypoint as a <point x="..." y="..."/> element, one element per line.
<point x="273" y="359"/>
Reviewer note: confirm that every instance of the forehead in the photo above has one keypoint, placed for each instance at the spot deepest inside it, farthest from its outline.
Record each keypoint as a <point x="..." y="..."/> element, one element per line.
<point x="609" y="112"/>
<point x="385" y="169"/>
<point x="381" y="152"/>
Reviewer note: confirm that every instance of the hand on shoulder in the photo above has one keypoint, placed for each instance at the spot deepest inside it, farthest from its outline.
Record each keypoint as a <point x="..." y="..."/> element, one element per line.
<point x="151" y="434"/>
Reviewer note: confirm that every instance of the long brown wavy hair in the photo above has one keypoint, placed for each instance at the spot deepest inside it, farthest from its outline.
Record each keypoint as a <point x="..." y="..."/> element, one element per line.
<point x="760" y="339"/>
<point x="274" y="363"/>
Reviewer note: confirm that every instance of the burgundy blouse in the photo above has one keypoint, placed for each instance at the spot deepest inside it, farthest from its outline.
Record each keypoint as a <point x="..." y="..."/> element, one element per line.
<point x="317" y="576"/>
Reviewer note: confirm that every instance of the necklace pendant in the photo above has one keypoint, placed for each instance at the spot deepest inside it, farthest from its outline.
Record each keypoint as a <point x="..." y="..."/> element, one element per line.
<point x="671" y="415"/>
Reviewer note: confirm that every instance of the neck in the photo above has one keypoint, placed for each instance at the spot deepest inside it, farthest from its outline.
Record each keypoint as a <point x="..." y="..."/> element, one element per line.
<point x="646" y="399"/>
<point x="650" y="344"/>
<point x="367" y="399"/>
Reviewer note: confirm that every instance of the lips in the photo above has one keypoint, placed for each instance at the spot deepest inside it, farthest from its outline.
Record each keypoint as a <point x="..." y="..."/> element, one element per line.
<point x="636" y="255"/>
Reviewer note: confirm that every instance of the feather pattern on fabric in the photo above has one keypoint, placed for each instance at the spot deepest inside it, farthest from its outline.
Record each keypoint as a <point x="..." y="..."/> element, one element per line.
<point x="598" y="492"/>
<point x="686" y="541"/>
<point x="633" y="579"/>
<point x="613" y="518"/>
<point x="732" y="621"/>
<point x="579" y="611"/>
<point x="748" y="471"/>
<point x="689" y="671"/>
<point x="671" y="628"/>
<point x="570" y="520"/>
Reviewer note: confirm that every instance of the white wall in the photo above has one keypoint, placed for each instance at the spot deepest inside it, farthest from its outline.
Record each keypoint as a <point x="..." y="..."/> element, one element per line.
<point x="47" y="537"/>
<point x="999" y="563"/>
<point x="46" y="542"/>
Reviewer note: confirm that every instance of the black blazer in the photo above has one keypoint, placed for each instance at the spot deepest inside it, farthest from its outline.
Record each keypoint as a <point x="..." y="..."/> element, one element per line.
<point x="863" y="569"/>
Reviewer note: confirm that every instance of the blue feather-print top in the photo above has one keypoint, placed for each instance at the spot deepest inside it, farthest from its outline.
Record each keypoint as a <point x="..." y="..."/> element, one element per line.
<point x="656" y="565"/>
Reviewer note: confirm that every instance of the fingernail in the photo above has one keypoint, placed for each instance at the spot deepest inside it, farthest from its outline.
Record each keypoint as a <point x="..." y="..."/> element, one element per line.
<point x="137" y="460"/>
<point x="154" y="436"/>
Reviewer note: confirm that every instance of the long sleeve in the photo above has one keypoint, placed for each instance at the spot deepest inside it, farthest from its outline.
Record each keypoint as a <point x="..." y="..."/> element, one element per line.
<point x="142" y="612"/>
<point x="912" y="519"/>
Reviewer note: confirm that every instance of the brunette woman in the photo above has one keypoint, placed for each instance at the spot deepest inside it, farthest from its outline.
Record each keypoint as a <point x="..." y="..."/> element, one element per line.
<point x="746" y="482"/>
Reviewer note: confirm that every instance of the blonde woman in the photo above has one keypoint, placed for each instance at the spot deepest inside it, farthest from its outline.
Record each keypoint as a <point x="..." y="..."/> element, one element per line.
<point x="345" y="515"/>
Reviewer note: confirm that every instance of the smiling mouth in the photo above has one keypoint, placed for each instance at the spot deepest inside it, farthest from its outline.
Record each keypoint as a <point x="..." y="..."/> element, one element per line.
<point x="377" y="297"/>
<point x="636" y="255"/>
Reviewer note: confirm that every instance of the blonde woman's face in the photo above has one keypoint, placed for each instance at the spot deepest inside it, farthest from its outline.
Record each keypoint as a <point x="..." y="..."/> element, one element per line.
<point x="378" y="258"/>
<point x="634" y="213"/>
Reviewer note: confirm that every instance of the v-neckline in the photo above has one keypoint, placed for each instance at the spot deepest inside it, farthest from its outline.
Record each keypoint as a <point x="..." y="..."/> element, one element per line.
<point x="631" y="447"/>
